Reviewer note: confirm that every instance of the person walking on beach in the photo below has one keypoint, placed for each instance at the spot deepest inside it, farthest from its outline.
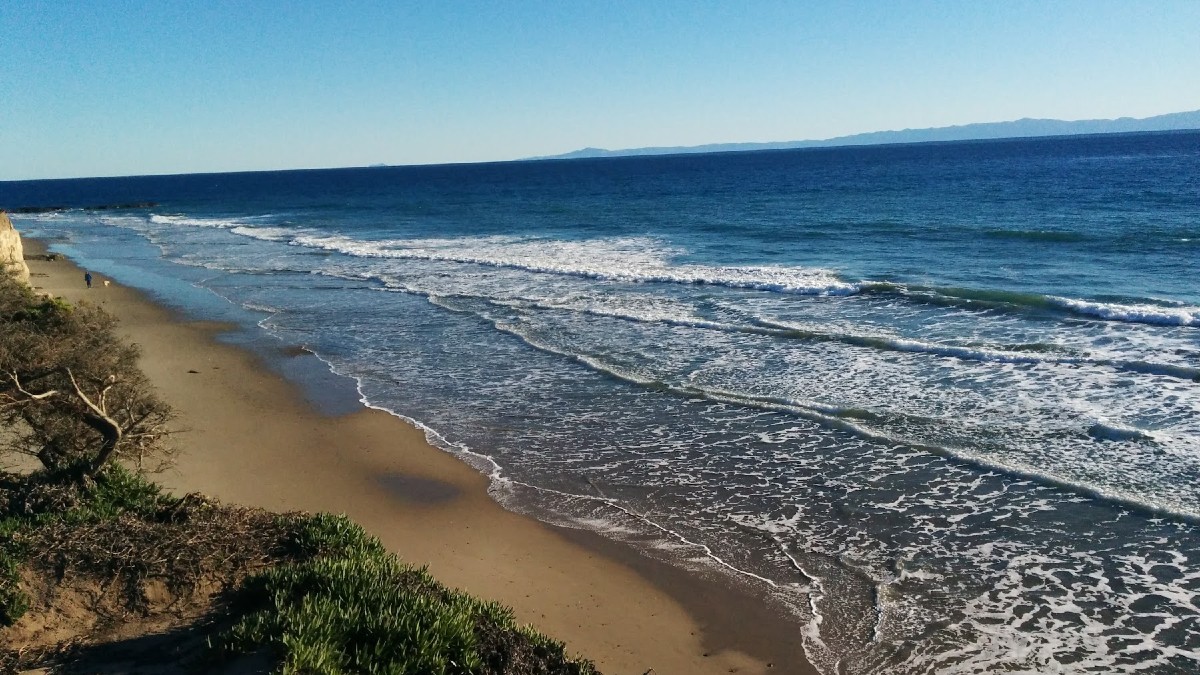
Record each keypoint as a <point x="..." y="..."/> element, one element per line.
<point x="87" y="279"/>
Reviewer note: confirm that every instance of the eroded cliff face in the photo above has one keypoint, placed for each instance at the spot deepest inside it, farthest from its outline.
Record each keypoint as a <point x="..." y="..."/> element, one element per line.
<point x="12" y="255"/>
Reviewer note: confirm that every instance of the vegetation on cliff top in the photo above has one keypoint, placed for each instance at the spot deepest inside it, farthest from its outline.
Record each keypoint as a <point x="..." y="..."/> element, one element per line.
<point x="71" y="393"/>
<point x="100" y="569"/>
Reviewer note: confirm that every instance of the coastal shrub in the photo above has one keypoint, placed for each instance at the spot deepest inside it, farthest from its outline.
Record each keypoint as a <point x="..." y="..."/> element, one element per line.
<point x="349" y="606"/>
<point x="13" y="601"/>
<point x="317" y="591"/>
<point x="325" y="534"/>
<point x="71" y="392"/>
<point x="357" y="614"/>
<point x="119" y="490"/>
<point x="48" y="501"/>
<point x="46" y="496"/>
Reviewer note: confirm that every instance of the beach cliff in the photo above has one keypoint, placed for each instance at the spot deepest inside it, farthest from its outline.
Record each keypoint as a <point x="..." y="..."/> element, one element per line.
<point x="12" y="254"/>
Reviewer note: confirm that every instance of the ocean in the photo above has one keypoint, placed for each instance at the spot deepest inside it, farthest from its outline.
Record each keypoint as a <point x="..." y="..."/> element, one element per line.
<point x="939" y="401"/>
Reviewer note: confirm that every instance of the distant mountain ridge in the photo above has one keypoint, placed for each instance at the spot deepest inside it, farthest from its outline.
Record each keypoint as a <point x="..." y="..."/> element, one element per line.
<point x="1022" y="128"/>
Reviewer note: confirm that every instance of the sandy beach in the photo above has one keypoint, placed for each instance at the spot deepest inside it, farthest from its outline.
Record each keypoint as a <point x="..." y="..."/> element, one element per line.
<point x="251" y="438"/>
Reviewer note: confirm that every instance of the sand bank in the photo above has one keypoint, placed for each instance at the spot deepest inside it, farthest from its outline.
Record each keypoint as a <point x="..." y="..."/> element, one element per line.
<point x="251" y="438"/>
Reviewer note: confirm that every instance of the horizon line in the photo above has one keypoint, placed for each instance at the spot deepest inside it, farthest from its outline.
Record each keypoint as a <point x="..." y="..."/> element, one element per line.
<point x="669" y="151"/>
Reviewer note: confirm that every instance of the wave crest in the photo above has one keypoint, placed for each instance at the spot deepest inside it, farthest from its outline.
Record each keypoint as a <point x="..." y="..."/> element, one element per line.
<point x="649" y="260"/>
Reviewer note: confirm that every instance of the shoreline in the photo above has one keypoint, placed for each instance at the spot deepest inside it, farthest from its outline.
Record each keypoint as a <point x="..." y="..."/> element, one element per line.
<point x="253" y="438"/>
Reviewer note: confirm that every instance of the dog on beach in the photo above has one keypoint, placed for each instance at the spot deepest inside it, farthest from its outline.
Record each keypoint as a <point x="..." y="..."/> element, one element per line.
<point x="107" y="282"/>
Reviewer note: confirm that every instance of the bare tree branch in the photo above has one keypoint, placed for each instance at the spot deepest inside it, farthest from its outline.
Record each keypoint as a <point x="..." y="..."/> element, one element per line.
<point x="32" y="397"/>
<point x="70" y="388"/>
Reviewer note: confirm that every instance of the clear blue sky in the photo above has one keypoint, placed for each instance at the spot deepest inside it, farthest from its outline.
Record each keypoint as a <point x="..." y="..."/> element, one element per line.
<point x="166" y="86"/>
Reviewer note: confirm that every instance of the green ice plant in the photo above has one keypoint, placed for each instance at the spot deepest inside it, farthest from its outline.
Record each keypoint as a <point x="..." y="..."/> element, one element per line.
<point x="13" y="602"/>
<point x="350" y="606"/>
<point x="366" y="613"/>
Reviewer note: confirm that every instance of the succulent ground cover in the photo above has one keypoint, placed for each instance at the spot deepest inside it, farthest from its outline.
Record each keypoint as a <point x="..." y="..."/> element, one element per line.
<point x="119" y="572"/>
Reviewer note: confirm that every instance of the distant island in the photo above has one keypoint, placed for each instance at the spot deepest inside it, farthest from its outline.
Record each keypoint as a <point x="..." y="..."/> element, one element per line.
<point x="1022" y="128"/>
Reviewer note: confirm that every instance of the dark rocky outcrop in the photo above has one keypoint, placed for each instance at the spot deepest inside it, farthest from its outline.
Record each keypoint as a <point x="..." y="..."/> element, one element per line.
<point x="98" y="207"/>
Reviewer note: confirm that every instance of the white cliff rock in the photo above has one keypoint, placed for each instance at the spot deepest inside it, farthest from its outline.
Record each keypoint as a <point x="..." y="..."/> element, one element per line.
<point x="12" y="255"/>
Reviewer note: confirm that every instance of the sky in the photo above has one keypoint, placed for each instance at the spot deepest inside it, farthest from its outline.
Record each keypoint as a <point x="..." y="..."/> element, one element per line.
<point x="91" y="88"/>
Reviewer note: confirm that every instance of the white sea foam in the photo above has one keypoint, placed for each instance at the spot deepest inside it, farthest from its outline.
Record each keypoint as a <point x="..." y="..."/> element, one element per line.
<point x="1004" y="628"/>
<point x="617" y="259"/>
<point x="186" y="221"/>
<point x="1180" y="315"/>
<point x="1112" y="485"/>
<point x="637" y="260"/>
<point x="264" y="233"/>
<point x="1114" y="431"/>
<point x="659" y="313"/>
<point x="1033" y="436"/>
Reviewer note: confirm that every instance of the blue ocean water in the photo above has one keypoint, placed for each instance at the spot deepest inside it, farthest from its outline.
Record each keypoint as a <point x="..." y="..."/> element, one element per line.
<point x="942" y="401"/>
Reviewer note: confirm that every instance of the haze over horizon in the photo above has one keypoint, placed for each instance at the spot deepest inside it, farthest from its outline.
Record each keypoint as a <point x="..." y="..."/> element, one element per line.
<point x="107" y="88"/>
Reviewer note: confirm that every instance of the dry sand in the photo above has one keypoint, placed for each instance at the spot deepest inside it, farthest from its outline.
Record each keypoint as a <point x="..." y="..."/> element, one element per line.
<point x="253" y="439"/>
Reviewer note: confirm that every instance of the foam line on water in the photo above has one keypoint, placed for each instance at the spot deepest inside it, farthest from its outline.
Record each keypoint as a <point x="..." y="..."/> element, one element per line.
<point x="842" y="419"/>
<point x="1112" y="431"/>
<point x="187" y="221"/>
<point x="1146" y="311"/>
<point x="866" y="424"/>
<point x="622" y="260"/>
<point x="1181" y="315"/>
<point x="783" y="330"/>
<point x="646" y="260"/>
<point x="986" y="354"/>
<point x="831" y="416"/>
